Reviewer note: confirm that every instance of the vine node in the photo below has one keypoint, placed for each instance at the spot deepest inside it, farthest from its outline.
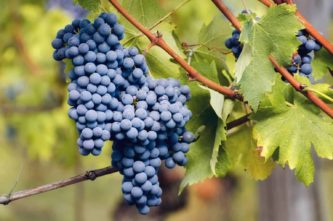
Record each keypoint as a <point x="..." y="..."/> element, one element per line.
<point x="91" y="175"/>
<point x="302" y="87"/>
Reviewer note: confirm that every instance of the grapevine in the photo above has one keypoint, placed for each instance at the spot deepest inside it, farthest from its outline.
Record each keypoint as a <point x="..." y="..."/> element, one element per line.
<point x="243" y="93"/>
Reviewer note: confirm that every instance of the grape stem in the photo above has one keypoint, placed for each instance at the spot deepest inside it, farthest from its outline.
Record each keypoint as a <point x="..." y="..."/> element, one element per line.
<point x="89" y="175"/>
<point x="159" y="41"/>
<point x="238" y="122"/>
<point x="308" y="26"/>
<point x="298" y="86"/>
<point x="9" y="109"/>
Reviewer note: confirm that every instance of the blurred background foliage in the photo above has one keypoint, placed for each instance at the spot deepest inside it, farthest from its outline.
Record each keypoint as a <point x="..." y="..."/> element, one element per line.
<point x="38" y="140"/>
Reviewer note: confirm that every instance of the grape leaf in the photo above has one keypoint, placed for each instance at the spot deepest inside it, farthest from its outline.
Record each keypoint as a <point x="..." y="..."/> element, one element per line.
<point x="240" y="150"/>
<point x="261" y="38"/>
<point x="147" y="12"/>
<point x="216" y="101"/>
<point x="90" y="5"/>
<point x="293" y="130"/>
<point x="321" y="64"/>
<point x="211" y="42"/>
<point x="200" y="154"/>
<point x="210" y="48"/>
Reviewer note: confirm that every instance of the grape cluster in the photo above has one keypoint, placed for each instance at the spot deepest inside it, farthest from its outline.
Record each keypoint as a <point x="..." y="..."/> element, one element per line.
<point x="301" y="61"/>
<point x="94" y="50"/>
<point x="147" y="132"/>
<point x="113" y="98"/>
<point x="234" y="44"/>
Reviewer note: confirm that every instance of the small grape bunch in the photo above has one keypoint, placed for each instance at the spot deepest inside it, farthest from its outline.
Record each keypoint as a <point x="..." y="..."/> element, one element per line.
<point x="234" y="44"/>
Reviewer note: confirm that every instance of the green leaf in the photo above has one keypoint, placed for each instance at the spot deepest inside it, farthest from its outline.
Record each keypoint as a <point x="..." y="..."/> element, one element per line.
<point x="262" y="38"/>
<point x="90" y="5"/>
<point x="321" y="64"/>
<point x="276" y="99"/>
<point x="210" y="45"/>
<point x="68" y="65"/>
<point x="294" y="130"/>
<point x="216" y="101"/>
<point x="211" y="136"/>
<point x="240" y="150"/>
<point x="147" y="12"/>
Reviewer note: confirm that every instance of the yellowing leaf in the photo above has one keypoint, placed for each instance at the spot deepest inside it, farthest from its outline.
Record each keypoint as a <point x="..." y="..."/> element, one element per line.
<point x="293" y="131"/>
<point x="240" y="150"/>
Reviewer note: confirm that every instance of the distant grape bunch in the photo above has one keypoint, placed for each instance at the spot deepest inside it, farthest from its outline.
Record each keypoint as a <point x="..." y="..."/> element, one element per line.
<point x="113" y="98"/>
<point x="301" y="61"/>
<point x="234" y="44"/>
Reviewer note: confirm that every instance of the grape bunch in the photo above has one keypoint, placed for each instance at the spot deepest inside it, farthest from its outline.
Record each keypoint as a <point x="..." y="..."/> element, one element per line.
<point x="234" y="44"/>
<point x="151" y="130"/>
<point x="113" y="98"/>
<point x="301" y="62"/>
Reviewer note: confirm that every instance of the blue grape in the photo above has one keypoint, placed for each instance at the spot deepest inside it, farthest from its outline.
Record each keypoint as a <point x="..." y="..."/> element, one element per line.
<point x="101" y="90"/>
<point x="104" y="29"/>
<point x="100" y="58"/>
<point x="132" y="133"/>
<point x="92" y="44"/>
<point x="128" y="63"/>
<point x="88" y="144"/>
<point x="111" y="56"/>
<point x="90" y="67"/>
<point x="104" y="47"/>
<point x="306" y="69"/>
<point x="140" y="178"/>
<point x="87" y="133"/>
<point x="127" y="187"/>
<point x="118" y="30"/>
<point x="91" y="115"/>
<point x="84" y="48"/>
<point x="310" y="45"/>
<point x="95" y="78"/>
<point x="83" y="81"/>
<point x="98" y="38"/>
<point x="85" y="96"/>
<point x="112" y="40"/>
<point x="188" y="137"/>
<point x="306" y="59"/>
<point x="136" y="192"/>
<point x="78" y="60"/>
<point x="57" y="43"/>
